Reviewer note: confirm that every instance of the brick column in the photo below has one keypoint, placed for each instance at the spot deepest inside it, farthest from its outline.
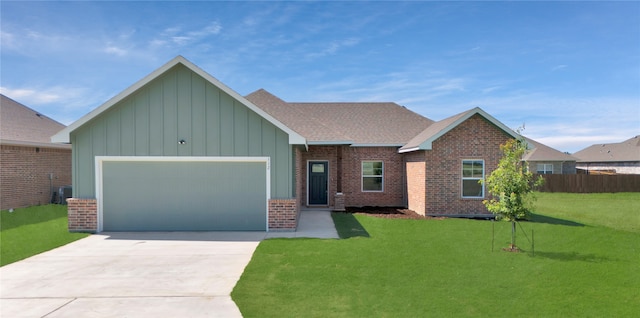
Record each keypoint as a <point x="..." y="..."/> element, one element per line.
<point x="283" y="215"/>
<point x="339" y="202"/>
<point x="82" y="215"/>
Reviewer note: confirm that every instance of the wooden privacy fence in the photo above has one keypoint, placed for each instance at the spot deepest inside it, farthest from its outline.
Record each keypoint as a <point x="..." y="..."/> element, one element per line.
<point x="588" y="183"/>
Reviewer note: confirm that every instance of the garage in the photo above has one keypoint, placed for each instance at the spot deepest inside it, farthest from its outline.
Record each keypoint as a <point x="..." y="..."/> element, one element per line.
<point x="183" y="193"/>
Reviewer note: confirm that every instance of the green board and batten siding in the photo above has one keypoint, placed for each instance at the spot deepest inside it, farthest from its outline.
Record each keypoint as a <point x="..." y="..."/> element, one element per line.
<point x="180" y="104"/>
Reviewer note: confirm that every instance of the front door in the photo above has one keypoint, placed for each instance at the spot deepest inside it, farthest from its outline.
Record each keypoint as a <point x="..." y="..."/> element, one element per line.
<point x="318" y="177"/>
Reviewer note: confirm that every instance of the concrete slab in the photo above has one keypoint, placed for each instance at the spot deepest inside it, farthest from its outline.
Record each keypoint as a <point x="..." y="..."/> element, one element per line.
<point x="185" y="274"/>
<point x="312" y="224"/>
<point x="141" y="274"/>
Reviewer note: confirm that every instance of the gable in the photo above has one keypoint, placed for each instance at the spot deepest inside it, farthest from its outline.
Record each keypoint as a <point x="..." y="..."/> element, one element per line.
<point x="64" y="135"/>
<point x="180" y="113"/>
<point x="424" y="140"/>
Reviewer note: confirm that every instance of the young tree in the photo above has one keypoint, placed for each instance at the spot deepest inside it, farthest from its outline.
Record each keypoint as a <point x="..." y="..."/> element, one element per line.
<point x="511" y="185"/>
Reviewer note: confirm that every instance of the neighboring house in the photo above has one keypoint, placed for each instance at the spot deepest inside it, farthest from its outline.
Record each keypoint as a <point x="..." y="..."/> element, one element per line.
<point x="543" y="159"/>
<point x="180" y="150"/>
<point x="615" y="158"/>
<point x="31" y="166"/>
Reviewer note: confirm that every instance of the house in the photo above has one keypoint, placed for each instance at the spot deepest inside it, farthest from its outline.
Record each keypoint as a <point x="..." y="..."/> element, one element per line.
<point x="615" y="158"/>
<point x="32" y="167"/>
<point x="543" y="159"/>
<point x="179" y="150"/>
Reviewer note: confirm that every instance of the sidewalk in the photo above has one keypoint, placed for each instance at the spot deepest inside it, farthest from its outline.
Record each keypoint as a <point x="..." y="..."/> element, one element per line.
<point x="312" y="224"/>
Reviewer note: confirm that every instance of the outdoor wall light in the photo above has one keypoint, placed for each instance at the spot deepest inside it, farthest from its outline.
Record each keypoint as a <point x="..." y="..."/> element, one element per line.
<point x="182" y="142"/>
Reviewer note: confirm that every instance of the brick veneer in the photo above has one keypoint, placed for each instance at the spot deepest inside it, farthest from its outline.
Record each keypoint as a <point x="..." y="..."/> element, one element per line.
<point x="283" y="214"/>
<point x="416" y="182"/>
<point x="24" y="180"/>
<point x="83" y="215"/>
<point x="475" y="138"/>
<point x="350" y="159"/>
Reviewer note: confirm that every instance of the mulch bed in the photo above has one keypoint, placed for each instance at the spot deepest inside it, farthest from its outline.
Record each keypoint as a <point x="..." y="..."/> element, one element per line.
<point x="390" y="213"/>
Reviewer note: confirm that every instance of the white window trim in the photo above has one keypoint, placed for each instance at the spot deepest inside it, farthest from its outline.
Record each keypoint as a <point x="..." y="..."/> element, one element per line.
<point x="362" y="176"/>
<point x="544" y="168"/>
<point x="462" y="178"/>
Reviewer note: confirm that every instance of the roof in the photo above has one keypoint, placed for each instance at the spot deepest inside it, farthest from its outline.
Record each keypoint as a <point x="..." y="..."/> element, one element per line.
<point x="21" y="125"/>
<point x="628" y="150"/>
<point x="64" y="135"/>
<point x="424" y="140"/>
<point x="357" y="124"/>
<point x="541" y="152"/>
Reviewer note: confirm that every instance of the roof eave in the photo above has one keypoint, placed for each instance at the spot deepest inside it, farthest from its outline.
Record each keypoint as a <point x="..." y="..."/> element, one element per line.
<point x="33" y="144"/>
<point x="376" y="145"/>
<point x="404" y="150"/>
<point x="329" y="142"/>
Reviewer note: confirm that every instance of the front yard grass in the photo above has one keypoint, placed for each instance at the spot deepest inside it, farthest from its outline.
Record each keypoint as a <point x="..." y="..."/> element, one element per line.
<point x="583" y="266"/>
<point x="29" y="231"/>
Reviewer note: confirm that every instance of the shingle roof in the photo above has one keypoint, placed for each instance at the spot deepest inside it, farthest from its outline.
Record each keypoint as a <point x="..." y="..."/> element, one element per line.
<point x="628" y="150"/>
<point x="346" y="123"/>
<point x="20" y="124"/>
<point x="542" y="152"/>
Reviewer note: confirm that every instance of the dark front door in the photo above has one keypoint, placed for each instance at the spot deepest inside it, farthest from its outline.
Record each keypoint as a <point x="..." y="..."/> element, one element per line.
<point x="318" y="176"/>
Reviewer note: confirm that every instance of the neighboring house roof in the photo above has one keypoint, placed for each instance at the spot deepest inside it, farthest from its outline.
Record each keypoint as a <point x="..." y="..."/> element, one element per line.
<point x="541" y="152"/>
<point x="628" y="150"/>
<point x="425" y="139"/>
<point x="64" y="135"/>
<point x="21" y="125"/>
<point x="357" y="124"/>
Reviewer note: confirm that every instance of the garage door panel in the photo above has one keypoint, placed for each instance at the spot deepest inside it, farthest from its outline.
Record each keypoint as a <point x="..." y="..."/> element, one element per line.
<point x="184" y="196"/>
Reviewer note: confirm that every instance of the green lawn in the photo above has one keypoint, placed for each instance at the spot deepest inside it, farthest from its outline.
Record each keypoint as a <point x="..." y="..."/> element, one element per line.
<point x="619" y="211"/>
<point x="584" y="266"/>
<point x="28" y="231"/>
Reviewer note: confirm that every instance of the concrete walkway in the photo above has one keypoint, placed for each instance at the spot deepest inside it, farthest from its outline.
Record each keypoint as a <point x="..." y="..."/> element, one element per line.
<point x="142" y="274"/>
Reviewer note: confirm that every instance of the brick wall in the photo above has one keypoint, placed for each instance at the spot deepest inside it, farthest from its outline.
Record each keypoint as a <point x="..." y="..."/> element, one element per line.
<point x="319" y="153"/>
<point x="83" y="215"/>
<point x="476" y="138"/>
<point x="350" y="159"/>
<point x="283" y="214"/>
<point x="416" y="182"/>
<point x="24" y="177"/>
<point x="394" y="178"/>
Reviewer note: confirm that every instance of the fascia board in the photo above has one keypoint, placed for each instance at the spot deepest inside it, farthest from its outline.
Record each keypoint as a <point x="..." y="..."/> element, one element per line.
<point x="329" y="142"/>
<point x="33" y="144"/>
<point x="408" y="149"/>
<point x="377" y="145"/>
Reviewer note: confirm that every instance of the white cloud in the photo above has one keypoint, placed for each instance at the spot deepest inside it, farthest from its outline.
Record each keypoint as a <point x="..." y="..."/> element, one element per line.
<point x="333" y="47"/>
<point x="178" y="36"/>
<point x="64" y="104"/>
<point x="115" y="50"/>
<point x="559" y="67"/>
<point x="31" y="96"/>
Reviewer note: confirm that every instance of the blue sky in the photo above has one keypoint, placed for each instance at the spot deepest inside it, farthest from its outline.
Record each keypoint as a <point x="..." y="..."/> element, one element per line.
<point x="568" y="71"/>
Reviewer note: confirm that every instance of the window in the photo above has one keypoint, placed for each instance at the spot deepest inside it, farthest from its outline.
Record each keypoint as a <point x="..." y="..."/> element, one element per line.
<point x="472" y="172"/>
<point x="545" y="168"/>
<point x="372" y="176"/>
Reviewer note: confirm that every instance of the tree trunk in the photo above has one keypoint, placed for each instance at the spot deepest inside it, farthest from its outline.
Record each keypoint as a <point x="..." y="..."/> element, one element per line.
<point x="513" y="234"/>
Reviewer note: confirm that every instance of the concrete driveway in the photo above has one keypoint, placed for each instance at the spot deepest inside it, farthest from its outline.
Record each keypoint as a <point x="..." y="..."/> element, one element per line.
<point x="172" y="274"/>
<point x="143" y="274"/>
